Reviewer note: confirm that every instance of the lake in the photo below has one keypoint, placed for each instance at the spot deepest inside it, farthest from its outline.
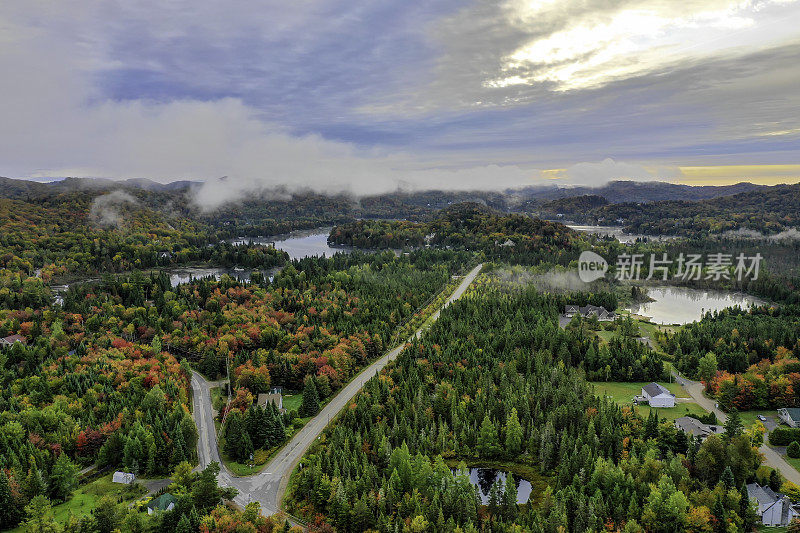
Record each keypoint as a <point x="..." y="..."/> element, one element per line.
<point x="484" y="478"/>
<point x="617" y="233"/>
<point x="681" y="305"/>
<point x="299" y="244"/>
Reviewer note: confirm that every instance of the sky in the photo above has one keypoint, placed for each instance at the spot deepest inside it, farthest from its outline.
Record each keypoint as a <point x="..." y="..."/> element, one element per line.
<point x="369" y="96"/>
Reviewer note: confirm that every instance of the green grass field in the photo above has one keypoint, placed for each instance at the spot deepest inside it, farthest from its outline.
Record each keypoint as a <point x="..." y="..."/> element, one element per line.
<point x="749" y="417"/>
<point x="291" y="402"/>
<point x="623" y="393"/>
<point x="85" y="498"/>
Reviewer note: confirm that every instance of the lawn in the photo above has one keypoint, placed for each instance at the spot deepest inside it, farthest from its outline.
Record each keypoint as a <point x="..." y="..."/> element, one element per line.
<point x="623" y="394"/>
<point x="749" y="417"/>
<point x="291" y="402"/>
<point x="85" y="498"/>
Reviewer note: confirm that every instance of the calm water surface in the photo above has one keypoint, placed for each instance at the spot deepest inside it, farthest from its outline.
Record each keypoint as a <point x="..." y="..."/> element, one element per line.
<point x="680" y="305"/>
<point x="299" y="244"/>
<point x="484" y="478"/>
<point x="617" y="233"/>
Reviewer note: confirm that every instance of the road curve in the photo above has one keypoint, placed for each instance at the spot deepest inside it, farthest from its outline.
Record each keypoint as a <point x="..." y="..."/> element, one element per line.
<point x="269" y="486"/>
<point x="771" y="458"/>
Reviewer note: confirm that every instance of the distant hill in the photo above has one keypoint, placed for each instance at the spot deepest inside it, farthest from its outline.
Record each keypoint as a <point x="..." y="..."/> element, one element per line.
<point x="767" y="209"/>
<point x="573" y="205"/>
<point x="635" y="191"/>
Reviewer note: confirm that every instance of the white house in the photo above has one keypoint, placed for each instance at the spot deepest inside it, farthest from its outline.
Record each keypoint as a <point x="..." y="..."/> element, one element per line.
<point x="774" y="509"/>
<point x="126" y="478"/>
<point x="657" y="395"/>
<point x="790" y="416"/>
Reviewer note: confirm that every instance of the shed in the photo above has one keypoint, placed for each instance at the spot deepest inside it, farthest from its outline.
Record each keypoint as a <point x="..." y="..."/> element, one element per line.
<point x="657" y="395"/>
<point x="126" y="478"/>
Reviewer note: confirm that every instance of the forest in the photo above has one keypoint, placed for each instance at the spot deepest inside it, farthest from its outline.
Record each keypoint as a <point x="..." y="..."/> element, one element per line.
<point x="511" y="238"/>
<point x="486" y="385"/>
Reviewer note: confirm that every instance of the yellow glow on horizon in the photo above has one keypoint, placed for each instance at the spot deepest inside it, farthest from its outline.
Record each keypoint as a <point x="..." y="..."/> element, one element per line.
<point x="730" y="174"/>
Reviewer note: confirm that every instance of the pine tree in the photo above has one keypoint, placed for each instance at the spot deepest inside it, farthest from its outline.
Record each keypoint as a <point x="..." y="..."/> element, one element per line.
<point x="234" y="434"/>
<point x="513" y="434"/>
<point x="310" y="404"/>
<point x="510" y="498"/>
<point x="495" y="497"/>
<point x="184" y="525"/>
<point x="727" y="478"/>
<point x="487" y="438"/>
<point x="9" y="513"/>
<point x="63" y="478"/>
<point x="733" y="425"/>
<point x="746" y="512"/>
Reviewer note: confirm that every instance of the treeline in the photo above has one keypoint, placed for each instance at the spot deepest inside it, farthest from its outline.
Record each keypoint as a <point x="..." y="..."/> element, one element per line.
<point x="768" y="210"/>
<point x="484" y="385"/>
<point x="505" y="238"/>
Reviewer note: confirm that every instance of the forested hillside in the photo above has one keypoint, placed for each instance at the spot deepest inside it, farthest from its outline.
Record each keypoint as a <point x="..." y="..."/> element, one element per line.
<point x="768" y="210"/>
<point x="468" y="226"/>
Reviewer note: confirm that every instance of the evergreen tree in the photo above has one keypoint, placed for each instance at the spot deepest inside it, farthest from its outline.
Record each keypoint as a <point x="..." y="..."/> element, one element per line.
<point x="184" y="525"/>
<point x="495" y="497"/>
<point x="310" y="404"/>
<point x="63" y="478"/>
<point x="487" y="439"/>
<point x="9" y="513"/>
<point x="234" y="434"/>
<point x="746" y="511"/>
<point x="513" y="434"/>
<point x="510" y="498"/>
<point x="727" y="478"/>
<point x="733" y="425"/>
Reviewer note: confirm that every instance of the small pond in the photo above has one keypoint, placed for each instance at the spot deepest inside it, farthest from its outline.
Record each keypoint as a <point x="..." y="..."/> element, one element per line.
<point x="484" y="478"/>
<point x="681" y="305"/>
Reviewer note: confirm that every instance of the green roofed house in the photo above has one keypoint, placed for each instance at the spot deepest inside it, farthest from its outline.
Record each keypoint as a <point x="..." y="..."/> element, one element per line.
<point x="790" y="415"/>
<point x="165" y="502"/>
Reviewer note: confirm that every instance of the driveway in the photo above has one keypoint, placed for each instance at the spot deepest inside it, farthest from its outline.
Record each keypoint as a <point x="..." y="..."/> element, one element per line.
<point x="772" y="458"/>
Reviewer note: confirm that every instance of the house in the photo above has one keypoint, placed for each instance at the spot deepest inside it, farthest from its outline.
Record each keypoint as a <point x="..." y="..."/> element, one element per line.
<point x="657" y="395"/>
<point x="165" y="502"/>
<point x="165" y="255"/>
<point x="790" y="416"/>
<point x="692" y="426"/>
<point x="275" y="396"/>
<point x="12" y="339"/>
<point x="126" y="478"/>
<point x="599" y="311"/>
<point x="774" y="508"/>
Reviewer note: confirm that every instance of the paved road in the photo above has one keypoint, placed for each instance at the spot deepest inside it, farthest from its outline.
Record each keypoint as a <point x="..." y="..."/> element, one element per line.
<point x="771" y="458"/>
<point x="269" y="486"/>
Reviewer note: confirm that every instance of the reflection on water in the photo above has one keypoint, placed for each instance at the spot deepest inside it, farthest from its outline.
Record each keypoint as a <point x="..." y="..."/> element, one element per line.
<point x="184" y="275"/>
<point x="299" y="244"/>
<point x="484" y="478"/>
<point x="679" y="305"/>
<point x="617" y="233"/>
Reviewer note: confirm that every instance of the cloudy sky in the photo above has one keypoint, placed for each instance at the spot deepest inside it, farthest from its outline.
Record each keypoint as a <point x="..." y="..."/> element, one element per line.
<point x="371" y="95"/>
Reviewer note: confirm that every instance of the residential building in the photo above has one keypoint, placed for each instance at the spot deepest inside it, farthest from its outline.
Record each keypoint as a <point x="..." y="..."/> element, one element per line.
<point x="692" y="426"/>
<point x="11" y="339"/>
<point x="275" y="396"/>
<point x="600" y="312"/>
<point x="657" y="395"/>
<point x="790" y="416"/>
<point x="774" y="508"/>
<point x="165" y="502"/>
